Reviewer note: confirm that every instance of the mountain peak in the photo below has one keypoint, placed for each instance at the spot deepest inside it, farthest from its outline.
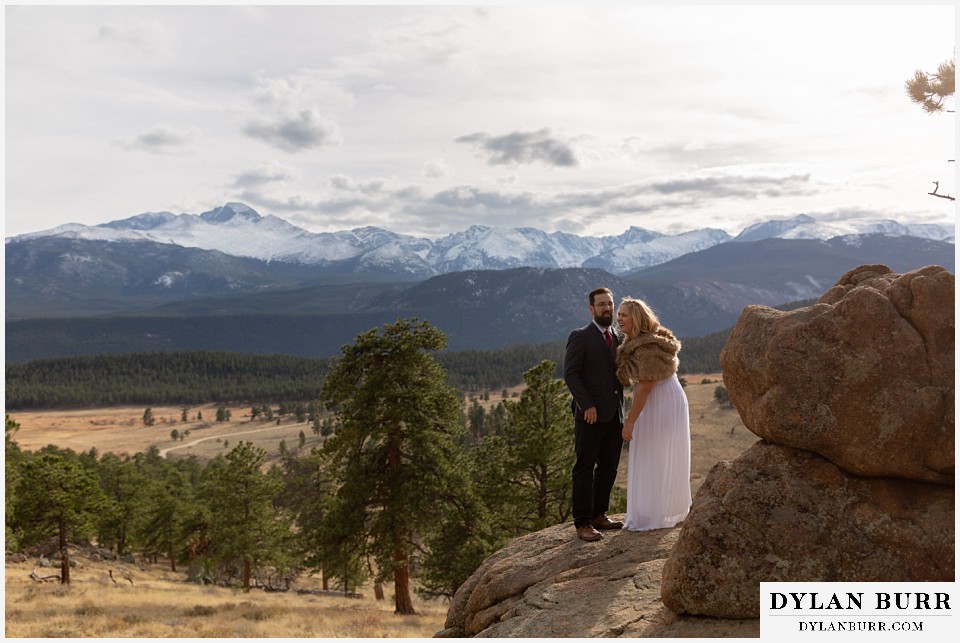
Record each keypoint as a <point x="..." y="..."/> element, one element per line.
<point x="636" y="234"/>
<point x="145" y="221"/>
<point x="776" y="228"/>
<point x="230" y="211"/>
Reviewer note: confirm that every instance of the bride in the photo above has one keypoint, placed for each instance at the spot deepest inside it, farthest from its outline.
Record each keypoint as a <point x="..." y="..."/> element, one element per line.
<point x="658" y="426"/>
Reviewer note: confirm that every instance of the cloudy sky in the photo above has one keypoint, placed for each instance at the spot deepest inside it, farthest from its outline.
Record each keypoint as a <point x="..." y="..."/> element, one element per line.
<point x="426" y="120"/>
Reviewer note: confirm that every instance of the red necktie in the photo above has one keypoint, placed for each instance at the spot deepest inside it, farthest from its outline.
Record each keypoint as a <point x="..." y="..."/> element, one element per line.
<point x="606" y="336"/>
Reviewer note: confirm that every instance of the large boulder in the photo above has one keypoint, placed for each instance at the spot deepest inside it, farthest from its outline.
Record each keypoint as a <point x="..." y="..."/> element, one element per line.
<point x="865" y="377"/>
<point x="783" y="514"/>
<point x="853" y="480"/>
<point x="551" y="584"/>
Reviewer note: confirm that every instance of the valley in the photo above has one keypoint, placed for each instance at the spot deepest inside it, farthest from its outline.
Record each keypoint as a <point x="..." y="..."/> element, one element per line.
<point x="716" y="433"/>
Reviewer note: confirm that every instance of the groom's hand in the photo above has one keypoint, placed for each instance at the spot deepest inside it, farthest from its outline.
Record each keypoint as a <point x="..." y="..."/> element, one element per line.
<point x="590" y="415"/>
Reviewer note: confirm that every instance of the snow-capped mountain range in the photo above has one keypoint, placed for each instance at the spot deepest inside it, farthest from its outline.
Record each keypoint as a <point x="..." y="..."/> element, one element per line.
<point x="236" y="229"/>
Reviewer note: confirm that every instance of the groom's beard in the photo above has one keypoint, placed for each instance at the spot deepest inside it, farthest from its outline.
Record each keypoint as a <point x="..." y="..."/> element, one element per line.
<point x="604" y="319"/>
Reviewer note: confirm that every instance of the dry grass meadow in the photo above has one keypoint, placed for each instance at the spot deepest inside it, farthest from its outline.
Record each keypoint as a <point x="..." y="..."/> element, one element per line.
<point x="160" y="605"/>
<point x="121" y="430"/>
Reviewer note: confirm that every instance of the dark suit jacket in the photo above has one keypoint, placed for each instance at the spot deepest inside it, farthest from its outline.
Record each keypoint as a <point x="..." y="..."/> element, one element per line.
<point x="590" y="371"/>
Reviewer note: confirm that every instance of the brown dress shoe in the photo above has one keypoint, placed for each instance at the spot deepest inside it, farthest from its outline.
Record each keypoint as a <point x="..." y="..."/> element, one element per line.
<point x="603" y="522"/>
<point x="588" y="533"/>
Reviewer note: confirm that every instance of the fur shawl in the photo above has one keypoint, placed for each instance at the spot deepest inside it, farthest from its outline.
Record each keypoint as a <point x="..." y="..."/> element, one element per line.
<point x="652" y="356"/>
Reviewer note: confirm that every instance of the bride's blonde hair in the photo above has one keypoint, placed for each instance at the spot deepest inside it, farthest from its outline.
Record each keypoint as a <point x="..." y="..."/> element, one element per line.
<point x="642" y="317"/>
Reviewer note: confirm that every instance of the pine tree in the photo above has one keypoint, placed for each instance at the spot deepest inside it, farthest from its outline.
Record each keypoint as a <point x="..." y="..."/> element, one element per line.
<point x="721" y="395"/>
<point x="539" y="446"/>
<point x="476" y="417"/>
<point x="395" y="450"/>
<point x="300" y="411"/>
<point x="167" y="497"/>
<point x="244" y="525"/>
<point x="58" y="498"/>
<point x="13" y="458"/>
<point x="465" y="531"/>
<point x="119" y="520"/>
<point x="307" y="489"/>
<point x="930" y="91"/>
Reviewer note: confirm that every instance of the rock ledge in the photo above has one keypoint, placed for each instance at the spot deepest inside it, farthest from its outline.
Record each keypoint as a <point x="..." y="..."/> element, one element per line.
<point x="551" y="584"/>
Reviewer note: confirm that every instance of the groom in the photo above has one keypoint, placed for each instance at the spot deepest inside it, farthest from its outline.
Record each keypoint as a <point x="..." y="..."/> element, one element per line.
<point x="590" y="372"/>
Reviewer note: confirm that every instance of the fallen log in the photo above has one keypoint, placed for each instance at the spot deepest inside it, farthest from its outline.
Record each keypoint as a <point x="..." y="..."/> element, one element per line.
<point x="37" y="578"/>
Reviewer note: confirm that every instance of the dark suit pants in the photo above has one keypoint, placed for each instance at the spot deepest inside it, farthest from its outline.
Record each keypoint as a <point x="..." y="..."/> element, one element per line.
<point x="597" y="448"/>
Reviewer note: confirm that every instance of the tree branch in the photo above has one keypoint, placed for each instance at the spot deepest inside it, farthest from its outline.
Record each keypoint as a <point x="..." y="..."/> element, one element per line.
<point x="936" y="186"/>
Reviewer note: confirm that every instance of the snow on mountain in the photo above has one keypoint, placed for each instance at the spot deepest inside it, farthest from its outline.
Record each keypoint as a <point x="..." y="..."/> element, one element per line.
<point x="392" y="257"/>
<point x="234" y="213"/>
<point x="145" y="221"/>
<point x="799" y="227"/>
<point x="64" y="230"/>
<point x="233" y="229"/>
<point x="483" y="247"/>
<point x="238" y="230"/>
<point x="804" y="226"/>
<point x="633" y="254"/>
<point x="329" y="247"/>
<point x="922" y="230"/>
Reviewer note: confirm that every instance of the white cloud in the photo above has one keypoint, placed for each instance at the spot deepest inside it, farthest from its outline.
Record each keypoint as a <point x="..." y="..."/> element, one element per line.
<point x="265" y="173"/>
<point x="305" y="130"/>
<point x="275" y="91"/>
<point x="438" y="169"/>
<point x="522" y="147"/>
<point x="143" y="37"/>
<point x="162" y="139"/>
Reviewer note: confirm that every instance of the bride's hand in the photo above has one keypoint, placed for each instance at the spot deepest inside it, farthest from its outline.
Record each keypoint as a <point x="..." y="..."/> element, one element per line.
<point x="627" y="433"/>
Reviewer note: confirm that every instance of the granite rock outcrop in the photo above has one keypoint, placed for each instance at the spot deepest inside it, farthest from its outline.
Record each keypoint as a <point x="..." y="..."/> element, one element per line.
<point x="853" y="480"/>
<point x="865" y="377"/>
<point x="551" y="584"/>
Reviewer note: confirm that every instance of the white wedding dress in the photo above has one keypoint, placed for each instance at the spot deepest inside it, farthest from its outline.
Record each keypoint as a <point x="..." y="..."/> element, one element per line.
<point x="658" y="466"/>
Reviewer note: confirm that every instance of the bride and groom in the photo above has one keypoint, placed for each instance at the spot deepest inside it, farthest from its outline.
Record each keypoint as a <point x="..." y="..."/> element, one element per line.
<point x="600" y="362"/>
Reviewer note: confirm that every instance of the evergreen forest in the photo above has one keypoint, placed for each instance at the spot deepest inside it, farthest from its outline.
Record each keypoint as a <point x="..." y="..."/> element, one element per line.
<point x="197" y="377"/>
